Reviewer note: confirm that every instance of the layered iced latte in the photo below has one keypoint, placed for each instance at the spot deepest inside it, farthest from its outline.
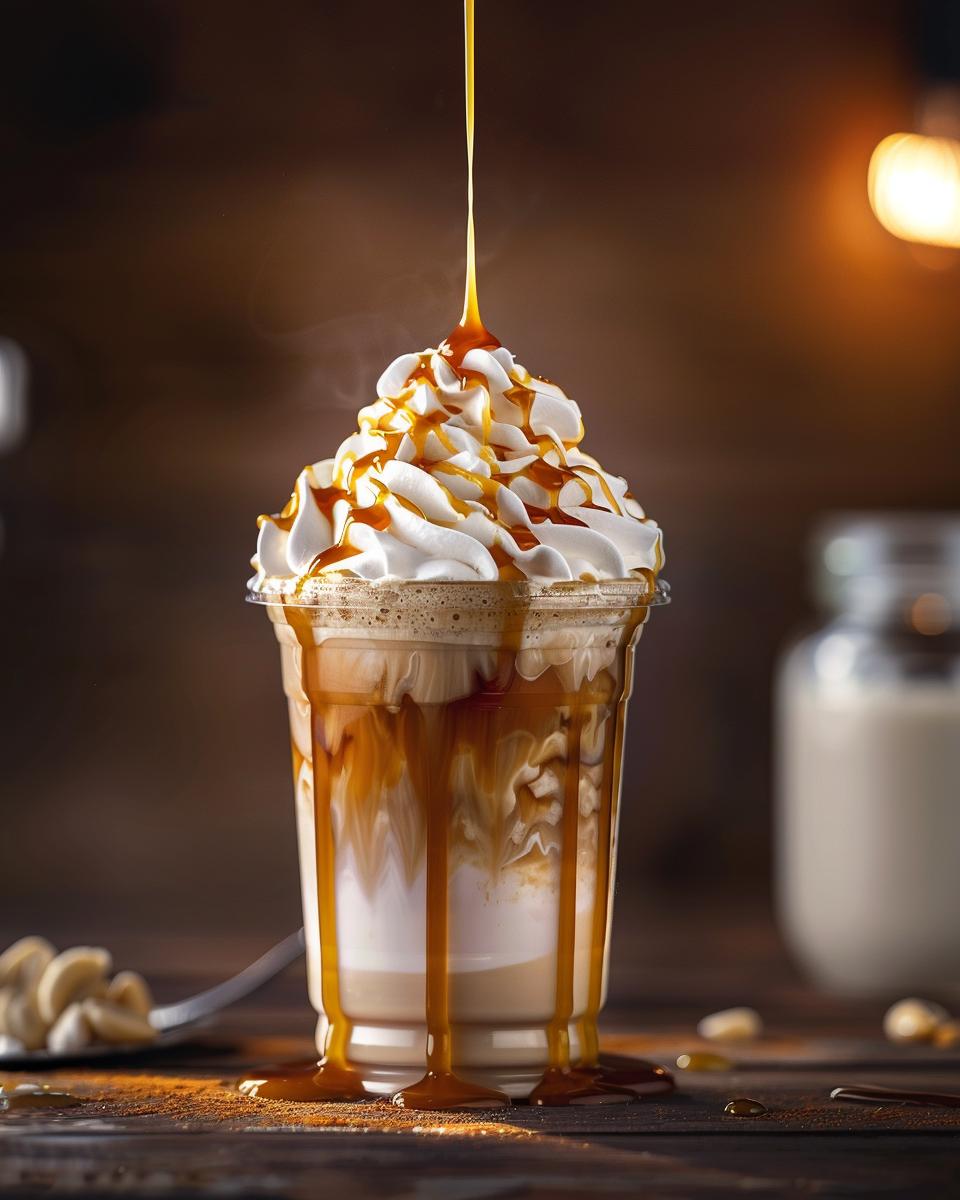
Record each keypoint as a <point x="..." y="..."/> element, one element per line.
<point x="457" y="595"/>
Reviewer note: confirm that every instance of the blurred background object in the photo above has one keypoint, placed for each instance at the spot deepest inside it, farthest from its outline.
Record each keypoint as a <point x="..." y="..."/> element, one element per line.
<point x="226" y="219"/>
<point x="914" y="178"/>
<point x="915" y="188"/>
<point x="13" y="395"/>
<point x="13" y="401"/>
<point x="870" y="759"/>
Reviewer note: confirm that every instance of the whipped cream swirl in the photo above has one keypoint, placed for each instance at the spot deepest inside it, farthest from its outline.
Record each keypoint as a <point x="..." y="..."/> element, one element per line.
<point x="466" y="472"/>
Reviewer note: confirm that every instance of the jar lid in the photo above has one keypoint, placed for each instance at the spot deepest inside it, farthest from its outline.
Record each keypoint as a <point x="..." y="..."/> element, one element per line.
<point x="872" y="563"/>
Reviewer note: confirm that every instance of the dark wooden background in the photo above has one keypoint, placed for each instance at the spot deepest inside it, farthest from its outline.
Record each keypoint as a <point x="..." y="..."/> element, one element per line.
<point x="218" y="221"/>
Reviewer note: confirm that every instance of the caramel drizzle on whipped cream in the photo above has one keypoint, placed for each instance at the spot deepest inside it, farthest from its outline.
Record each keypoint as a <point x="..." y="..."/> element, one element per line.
<point x="470" y="420"/>
<point x="541" y="472"/>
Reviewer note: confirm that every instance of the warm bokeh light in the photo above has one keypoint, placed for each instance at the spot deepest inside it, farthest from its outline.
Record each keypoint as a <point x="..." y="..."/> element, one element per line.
<point x="930" y="614"/>
<point x="914" y="186"/>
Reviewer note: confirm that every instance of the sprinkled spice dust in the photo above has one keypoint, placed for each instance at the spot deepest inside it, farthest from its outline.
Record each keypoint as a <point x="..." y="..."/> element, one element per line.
<point x="192" y="1100"/>
<point x="819" y="1117"/>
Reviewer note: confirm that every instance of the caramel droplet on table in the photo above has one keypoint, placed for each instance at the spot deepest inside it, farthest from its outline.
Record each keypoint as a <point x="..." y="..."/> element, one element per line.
<point x="702" y="1061"/>
<point x="743" y="1106"/>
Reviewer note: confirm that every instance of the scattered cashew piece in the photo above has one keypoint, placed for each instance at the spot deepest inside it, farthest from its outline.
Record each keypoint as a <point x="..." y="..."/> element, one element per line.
<point x="731" y="1025"/>
<point x="913" y="1020"/>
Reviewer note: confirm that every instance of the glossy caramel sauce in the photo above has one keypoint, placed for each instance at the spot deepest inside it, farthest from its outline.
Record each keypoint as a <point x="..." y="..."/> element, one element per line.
<point x="470" y="333"/>
<point x="303" y="1082"/>
<point x="588" y="1081"/>
<point x="744" y="1106"/>
<point x="606" y="837"/>
<point x="440" y="1086"/>
<point x="703" y="1061"/>
<point x="43" y="1098"/>
<point x="549" y="478"/>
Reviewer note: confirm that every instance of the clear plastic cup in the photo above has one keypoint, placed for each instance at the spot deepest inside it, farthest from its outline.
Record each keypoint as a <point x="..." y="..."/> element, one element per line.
<point x="457" y="753"/>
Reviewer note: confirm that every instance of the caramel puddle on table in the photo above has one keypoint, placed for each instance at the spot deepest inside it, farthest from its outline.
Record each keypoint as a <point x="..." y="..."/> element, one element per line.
<point x="25" y="1101"/>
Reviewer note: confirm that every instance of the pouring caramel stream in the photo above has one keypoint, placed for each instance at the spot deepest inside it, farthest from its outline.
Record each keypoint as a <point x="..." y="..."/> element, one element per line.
<point x="378" y="745"/>
<point x="471" y="332"/>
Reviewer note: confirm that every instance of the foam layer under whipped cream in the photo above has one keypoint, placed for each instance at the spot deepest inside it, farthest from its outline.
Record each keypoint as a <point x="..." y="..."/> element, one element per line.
<point x="466" y="472"/>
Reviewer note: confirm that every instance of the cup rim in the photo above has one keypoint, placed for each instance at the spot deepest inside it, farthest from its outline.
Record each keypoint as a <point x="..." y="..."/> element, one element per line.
<point x="323" y="593"/>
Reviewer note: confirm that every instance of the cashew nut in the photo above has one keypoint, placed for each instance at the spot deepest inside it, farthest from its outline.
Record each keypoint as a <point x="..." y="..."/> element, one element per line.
<point x="913" y="1020"/>
<point x="111" y="1023"/>
<point x="128" y="989"/>
<point x="71" y="1030"/>
<point x="72" y="975"/>
<point x="731" y="1025"/>
<point x="22" y="963"/>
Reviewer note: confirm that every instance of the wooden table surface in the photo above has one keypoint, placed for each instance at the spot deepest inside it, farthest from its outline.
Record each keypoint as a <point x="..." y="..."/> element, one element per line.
<point x="171" y="1125"/>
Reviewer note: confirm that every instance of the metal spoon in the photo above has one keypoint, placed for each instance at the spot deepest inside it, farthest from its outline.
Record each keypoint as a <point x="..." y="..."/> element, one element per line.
<point x="176" y="1022"/>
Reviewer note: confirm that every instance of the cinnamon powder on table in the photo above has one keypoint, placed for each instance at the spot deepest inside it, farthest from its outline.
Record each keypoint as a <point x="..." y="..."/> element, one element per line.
<point x="193" y="1100"/>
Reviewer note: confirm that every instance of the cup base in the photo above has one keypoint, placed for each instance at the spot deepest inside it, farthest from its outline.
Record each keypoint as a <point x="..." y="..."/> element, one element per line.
<point x="390" y="1057"/>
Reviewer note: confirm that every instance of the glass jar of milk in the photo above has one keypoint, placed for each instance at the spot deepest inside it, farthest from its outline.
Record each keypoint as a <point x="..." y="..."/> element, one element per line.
<point x="868" y="837"/>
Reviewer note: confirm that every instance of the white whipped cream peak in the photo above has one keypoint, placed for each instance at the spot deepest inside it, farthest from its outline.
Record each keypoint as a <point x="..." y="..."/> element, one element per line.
<point x="467" y="472"/>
